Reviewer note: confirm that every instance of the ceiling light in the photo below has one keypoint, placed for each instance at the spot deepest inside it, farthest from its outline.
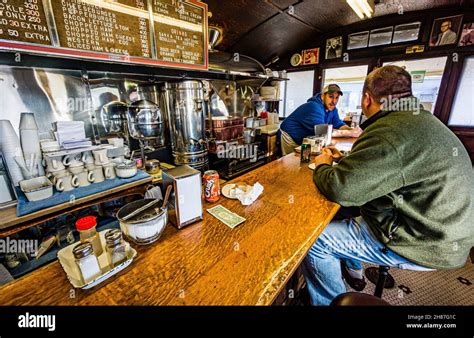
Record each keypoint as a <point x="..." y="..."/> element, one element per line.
<point x="362" y="7"/>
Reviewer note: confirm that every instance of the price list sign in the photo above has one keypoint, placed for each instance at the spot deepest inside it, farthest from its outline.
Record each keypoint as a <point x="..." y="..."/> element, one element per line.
<point x="180" y="32"/>
<point x="24" y="20"/>
<point x="113" y="27"/>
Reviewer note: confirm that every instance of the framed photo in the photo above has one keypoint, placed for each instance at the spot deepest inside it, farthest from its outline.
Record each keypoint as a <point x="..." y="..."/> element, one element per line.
<point x="381" y="36"/>
<point x="334" y="48"/>
<point x="358" y="40"/>
<point x="311" y="56"/>
<point x="467" y="34"/>
<point x="445" y="31"/>
<point x="406" y="32"/>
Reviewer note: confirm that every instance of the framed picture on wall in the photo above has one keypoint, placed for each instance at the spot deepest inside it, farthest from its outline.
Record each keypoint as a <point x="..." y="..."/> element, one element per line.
<point x="406" y="32"/>
<point x="445" y="31"/>
<point x="334" y="48"/>
<point x="358" y="40"/>
<point x="311" y="56"/>
<point x="467" y="34"/>
<point x="381" y="36"/>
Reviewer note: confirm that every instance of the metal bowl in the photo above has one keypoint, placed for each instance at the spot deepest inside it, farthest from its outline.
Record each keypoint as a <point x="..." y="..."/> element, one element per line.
<point x="147" y="226"/>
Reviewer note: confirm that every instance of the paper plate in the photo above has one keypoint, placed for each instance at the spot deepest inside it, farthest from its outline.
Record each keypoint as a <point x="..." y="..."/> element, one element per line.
<point x="228" y="190"/>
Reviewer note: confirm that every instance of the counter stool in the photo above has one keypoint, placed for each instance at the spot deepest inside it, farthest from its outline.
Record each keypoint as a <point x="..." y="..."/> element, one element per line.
<point x="381" y="278"/>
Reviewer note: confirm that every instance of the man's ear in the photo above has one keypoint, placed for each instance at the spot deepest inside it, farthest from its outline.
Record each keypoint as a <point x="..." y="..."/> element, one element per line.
<point x="367" y="100"/>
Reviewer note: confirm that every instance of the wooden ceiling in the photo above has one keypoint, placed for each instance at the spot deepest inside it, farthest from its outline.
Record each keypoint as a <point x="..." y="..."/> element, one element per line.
<point x="264" y="28"/>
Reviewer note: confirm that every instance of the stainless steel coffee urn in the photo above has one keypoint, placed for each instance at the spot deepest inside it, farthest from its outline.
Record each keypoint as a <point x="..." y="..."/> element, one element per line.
<point x="145" y="122"/>
<point x="186" y="110"/>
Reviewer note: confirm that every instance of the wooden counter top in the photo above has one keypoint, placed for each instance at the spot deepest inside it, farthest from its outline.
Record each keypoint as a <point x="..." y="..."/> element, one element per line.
<point x="207" y="263"/>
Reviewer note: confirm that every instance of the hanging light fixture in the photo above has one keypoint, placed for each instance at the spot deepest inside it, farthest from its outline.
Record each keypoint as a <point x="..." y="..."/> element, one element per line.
<point x="362" y="7"/>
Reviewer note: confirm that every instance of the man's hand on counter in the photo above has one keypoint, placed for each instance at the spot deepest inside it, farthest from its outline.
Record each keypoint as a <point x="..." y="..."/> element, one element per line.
<point x="326" y="157"/>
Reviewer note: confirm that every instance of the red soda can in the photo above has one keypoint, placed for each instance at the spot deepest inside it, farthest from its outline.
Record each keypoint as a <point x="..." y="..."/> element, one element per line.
<point x="211" y="186"/>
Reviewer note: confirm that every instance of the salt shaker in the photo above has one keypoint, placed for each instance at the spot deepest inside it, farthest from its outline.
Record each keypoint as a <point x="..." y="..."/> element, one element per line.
<point x="116" y="247"/>
<point x="87" y="261"/>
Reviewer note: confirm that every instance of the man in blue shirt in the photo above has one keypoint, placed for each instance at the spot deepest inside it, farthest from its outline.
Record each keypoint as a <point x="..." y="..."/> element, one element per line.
<point x="319" y="109"/>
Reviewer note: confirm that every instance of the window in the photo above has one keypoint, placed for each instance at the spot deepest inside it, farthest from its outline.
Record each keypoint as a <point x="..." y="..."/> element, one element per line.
<point x="462" y="112"/>
<point x="351" y="80"/>
<point x="299" y="88"/>
<point x="426" y="78"/>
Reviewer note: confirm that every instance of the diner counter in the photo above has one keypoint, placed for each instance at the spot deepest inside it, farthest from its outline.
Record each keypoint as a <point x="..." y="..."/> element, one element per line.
<point x="207" y="263"/>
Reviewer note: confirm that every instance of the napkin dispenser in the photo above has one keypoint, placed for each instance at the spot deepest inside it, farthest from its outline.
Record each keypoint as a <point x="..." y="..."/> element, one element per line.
<point x="185" y="203"/>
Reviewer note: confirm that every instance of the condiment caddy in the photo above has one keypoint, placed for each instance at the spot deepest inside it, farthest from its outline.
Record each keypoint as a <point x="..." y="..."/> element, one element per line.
<point x="77" y="258"/>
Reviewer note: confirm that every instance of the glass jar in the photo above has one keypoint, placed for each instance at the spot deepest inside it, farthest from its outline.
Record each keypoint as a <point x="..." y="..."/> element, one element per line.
<point x="87" y="232"/>
<point x="116" y="247"/>
<point x="86" y="261"/>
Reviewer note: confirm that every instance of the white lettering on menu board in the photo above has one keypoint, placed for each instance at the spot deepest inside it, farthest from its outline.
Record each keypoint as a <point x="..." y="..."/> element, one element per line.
<point x="23" y="20"/>
<point x="179" y="32"/>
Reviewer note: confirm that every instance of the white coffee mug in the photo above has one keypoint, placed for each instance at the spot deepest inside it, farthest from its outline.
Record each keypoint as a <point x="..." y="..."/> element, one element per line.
<point x="98" y="174"/>
<point x="85" y="178"/>
<point x="87" y="157"/>
<point x="73" y="160"/>
<point x="100" y="156"/>
<point x="54" y="163"/>
<point x="67" y="183"/>
<point x="109" y="171"/>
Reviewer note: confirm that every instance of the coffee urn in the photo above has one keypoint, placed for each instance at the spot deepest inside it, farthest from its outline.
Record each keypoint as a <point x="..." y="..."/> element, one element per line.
<point x="186" y="110"/>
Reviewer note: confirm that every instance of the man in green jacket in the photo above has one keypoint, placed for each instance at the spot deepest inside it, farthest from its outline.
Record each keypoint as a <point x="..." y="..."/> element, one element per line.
<point x="412" y="179"/>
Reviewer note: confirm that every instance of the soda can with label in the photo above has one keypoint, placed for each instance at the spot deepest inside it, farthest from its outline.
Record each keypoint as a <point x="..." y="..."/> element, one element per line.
<point x="211" y="186"/>
<point x="305" y="152"/>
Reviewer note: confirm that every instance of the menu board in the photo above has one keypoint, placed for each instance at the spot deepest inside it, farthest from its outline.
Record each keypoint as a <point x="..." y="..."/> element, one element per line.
<point x="24" y="20"/>
<point x="180" y="32"/>
<point x="118" y="30"/>
<point x="119" y="27"/>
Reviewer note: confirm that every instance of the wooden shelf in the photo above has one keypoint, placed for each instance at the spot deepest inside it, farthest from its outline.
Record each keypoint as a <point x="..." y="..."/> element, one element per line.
<point x="11" y="223"/>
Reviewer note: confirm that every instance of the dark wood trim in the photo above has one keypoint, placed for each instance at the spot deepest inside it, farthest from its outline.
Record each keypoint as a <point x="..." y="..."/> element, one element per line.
<point x="317" y="81"/>
<point x="449" y="92"/>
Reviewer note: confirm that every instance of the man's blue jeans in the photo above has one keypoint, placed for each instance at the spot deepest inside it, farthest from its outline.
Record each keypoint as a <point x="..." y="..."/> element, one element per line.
<point x="352" y="241"/>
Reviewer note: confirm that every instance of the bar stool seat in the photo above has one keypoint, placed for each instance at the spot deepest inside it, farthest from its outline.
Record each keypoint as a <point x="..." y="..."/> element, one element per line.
<point x="358" y="299"/>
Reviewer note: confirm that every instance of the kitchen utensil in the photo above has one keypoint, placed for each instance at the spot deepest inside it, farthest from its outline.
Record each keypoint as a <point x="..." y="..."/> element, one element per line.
<point x="126" y="169"/>
<point x="98" y="174"/>
<point x="186" y="109"/>
<point x="145" y="227"/>
<point x="87" y="157"/>
<point x="45" y="246"/>
<point x="109" y="171"/>
<point x="100" y="156"/>
<point x="67" y="183"/>
<point x="139" y="210"/>
<point x="54" y="163"/>
<point x="37" y="188"/>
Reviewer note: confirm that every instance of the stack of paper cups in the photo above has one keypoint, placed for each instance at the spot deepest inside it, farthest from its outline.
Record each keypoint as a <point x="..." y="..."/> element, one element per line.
<point x="30" y="144"/>
<point x="10" y="147"/>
